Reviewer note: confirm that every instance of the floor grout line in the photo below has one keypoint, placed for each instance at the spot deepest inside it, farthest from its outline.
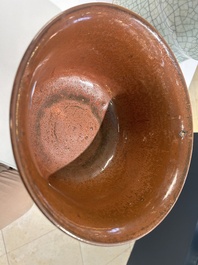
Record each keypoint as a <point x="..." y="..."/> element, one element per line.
<point x="118" y="256"/>
<point x="7" y="259"/>
<point x="81" y="252"/>
<point x="4" y="241"/>
<point x="7" y="252"/>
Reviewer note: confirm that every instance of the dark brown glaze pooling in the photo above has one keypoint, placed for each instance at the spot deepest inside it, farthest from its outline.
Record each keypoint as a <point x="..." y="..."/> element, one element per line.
<point x="100" y="115"/>
<point x="65" y="115"/>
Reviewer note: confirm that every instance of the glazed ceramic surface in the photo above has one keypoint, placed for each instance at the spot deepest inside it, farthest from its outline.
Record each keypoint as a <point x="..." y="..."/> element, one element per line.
<point x="101" y="124"/>
<point x="177" y="21"/>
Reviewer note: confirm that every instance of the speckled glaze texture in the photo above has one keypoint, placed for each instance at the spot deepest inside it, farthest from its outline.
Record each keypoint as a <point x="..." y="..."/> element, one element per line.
<point x="101" y="124"/>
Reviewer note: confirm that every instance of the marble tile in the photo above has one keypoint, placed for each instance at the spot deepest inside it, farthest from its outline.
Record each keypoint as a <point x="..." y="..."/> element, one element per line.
<point x="96" y="255"/>
<point x="2" y="247"/>
<point x="3" y="260"/>
<point x="121" y="259"/>
<point x="27" y="228"/>
<point x="55" y="248"/>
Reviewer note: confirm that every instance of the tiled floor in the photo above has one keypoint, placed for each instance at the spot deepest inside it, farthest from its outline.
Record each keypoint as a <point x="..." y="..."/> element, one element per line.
<point x="33" y="240"/>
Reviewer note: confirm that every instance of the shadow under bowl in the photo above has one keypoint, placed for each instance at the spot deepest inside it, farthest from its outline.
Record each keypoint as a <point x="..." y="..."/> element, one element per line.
<point x="101" y="124"/>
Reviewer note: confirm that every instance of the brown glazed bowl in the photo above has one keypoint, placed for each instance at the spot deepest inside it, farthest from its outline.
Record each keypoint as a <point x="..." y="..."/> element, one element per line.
<point x="101" y="124"/>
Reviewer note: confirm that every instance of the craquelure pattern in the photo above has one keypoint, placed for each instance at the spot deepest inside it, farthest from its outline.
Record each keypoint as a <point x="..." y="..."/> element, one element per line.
<point x="177" y="21"/>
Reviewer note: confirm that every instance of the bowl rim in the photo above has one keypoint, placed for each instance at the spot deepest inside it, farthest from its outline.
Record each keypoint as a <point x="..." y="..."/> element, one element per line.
<point x="14" y="108"/>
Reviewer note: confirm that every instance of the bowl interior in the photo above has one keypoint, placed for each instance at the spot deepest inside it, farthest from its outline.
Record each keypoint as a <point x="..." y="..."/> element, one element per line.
<point x="101" y="124"/>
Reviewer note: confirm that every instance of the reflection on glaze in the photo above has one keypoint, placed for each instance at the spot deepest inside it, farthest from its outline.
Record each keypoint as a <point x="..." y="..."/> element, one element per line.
<point x="114" y="230"/>
<point x="158" y="38"/>
<point x="172" y="185"/>
<point x="81" y="19"/>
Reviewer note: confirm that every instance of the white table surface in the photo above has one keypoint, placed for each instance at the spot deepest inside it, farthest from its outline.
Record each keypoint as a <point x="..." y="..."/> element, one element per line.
<point x="18" y="25"/>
